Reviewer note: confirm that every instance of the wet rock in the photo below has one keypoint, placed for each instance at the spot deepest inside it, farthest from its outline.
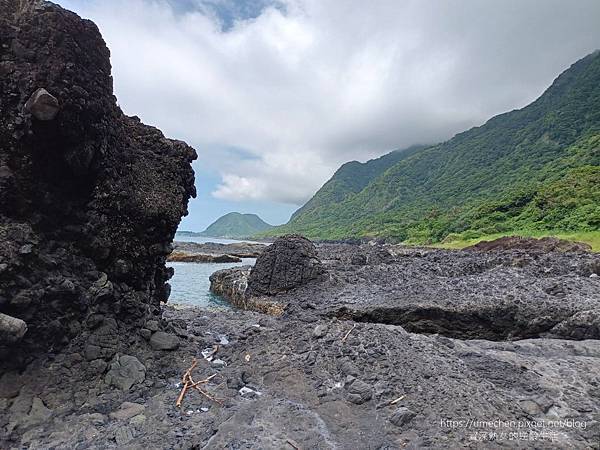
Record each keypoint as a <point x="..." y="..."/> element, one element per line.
<point x="402" y="416"/>
<point x="164" y="341"/>
<point x="125" y="371"/>
<point x="231" y="284"/>
<point x="291" y="261"/>
<point x="42" y="105"/>
<point x="237" y="249"/>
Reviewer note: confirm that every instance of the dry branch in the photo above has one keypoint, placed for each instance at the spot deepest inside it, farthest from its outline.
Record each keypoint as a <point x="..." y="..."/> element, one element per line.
<point x="208" y="396"/>
<point x="293" y="445"/>
<point x="348" y="333"/>
<point x="188" y="382"/>
<point x="393" y="402"/>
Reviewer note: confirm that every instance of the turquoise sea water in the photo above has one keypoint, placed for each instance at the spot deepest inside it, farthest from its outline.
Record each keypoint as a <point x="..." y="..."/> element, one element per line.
<point x="190" y="284"/>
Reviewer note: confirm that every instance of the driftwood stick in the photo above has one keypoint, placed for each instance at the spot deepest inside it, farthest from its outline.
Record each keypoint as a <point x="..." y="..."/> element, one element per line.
<point x="188" y="383"/>
<point x="294" y="446"/>
<point x="208" y="396"/>
<point x="182" y="394"/>
<point x="187" y="374"/>
<point x="206" y="380"/>
<point x="393" y="402"/>
<point x="348" y="333"/>
<point x="186" y="380"/>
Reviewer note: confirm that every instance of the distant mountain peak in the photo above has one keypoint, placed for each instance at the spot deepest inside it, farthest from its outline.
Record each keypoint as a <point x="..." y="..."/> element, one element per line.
<point x="235" y="225"/>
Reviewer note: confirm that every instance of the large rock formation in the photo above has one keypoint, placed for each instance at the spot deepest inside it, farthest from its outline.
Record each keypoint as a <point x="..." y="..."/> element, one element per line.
<point x="89" y="198"/>
<point x="288" y="263"/>
<point x="231" y="284"/>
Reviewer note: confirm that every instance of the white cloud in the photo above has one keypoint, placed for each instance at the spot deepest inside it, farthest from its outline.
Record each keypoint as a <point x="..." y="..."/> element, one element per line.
<point x="324" y="82"/>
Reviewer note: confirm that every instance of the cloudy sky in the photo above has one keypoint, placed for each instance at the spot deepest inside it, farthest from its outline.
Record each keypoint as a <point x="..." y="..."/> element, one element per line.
<point x="276" y="94"/>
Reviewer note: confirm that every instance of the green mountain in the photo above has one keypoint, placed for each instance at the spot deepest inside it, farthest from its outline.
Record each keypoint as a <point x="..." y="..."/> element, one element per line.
<point x="235" y="226"/>
<point x="350" y="178"/>
<point x="537" y="168"/>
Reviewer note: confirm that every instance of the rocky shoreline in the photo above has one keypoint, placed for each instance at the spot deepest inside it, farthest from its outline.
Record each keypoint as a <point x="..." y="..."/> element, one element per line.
<point x="504" y="337"/>
<point x="334" y="346"/>
<point x="211" y="252"/>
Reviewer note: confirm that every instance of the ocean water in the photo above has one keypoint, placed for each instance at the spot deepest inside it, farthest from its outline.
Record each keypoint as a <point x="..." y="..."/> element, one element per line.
<point x="190" y="285"/>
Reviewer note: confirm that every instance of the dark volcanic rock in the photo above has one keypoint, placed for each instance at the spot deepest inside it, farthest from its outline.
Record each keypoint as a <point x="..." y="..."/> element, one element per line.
<point x="89" y="199"/>
<point x="314" y="380"/>
<point x="291" y="261"/>
<point x="125" y="371"/>
<point x="164" y="341"/>
<point x="231" y="283"/>
<point x="402" y="416"/>
<point x="202" y="258"/>
<point x="543" y="245"/>
<point x="239" y="249"/>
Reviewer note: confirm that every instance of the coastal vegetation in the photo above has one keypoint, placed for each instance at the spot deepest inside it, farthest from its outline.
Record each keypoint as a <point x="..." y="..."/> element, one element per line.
<point x="535" y="171"/>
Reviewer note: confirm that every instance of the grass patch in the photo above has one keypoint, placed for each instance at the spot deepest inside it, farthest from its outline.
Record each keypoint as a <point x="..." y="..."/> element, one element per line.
<point x="589" y="237"/>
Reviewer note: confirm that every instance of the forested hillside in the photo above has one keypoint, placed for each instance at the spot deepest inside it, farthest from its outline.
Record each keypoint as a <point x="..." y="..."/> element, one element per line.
<point x="537" y="168"/>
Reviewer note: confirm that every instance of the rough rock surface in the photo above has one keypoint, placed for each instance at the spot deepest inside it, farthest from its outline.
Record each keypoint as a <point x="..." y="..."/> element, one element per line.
<point x="125" y="371"/>
<point x="12" y="330"/>
<point x="291" y="261"/>
<point x="163" y="341"/>
<point x="231" y="284"/>
<point x="395" y="348"/>
<point x="89" y="199"/>
<point x="483" y="295"/>
<point x="238" y="249"/>
<point x="178" y="256"/>
<point x="543" y="245"/>
<point x="456" y="294"/>
<point x="328" y="374"/>
<point x="279" y="383"/>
